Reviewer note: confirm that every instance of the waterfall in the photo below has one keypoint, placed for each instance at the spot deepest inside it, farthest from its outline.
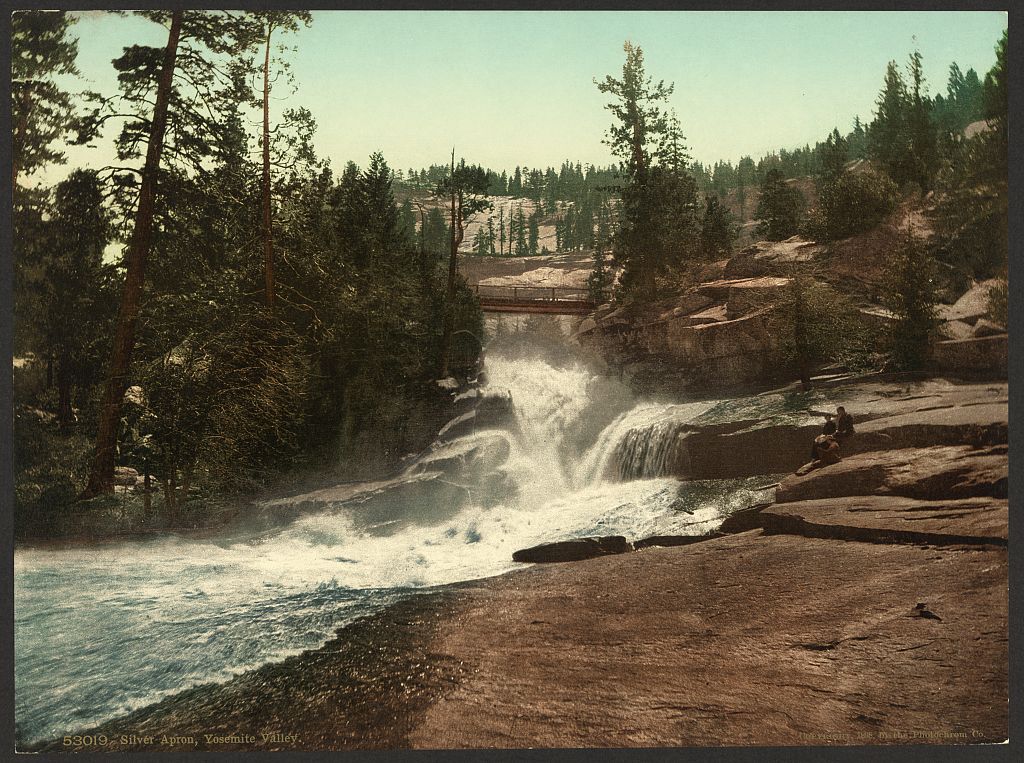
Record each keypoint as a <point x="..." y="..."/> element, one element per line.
<point x="102" y="629"/>
<point x="641" y="443"/>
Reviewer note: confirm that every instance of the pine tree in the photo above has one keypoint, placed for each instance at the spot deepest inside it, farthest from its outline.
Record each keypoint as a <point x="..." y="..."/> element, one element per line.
<point x="271" y="21"/>
<point x="833" y="153"/>
<point x="192" y="90"/>
<point x="501" y="231"/>
<point x="41" y="111"/>
<point x="522" y="246"/>
<point x="101" y="476"/>
<point x="911" y="296"/>
<point x="382" y="233"/>
<point x="533" y="245"/>
<point x="924" y="152"/>
<point x="639" y="119"/>
<point x="599" y="279"/>
<point x="889" y="135"/>
<point x="717" y="232"/>
<point x="779" y="208"/>
<point x="465" y="188"/>
<point x="75" y="305"/>
<point x="658" y="226"/>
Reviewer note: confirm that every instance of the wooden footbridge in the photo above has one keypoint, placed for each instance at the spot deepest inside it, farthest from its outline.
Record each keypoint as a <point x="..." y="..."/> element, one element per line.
<point x="555" y="300"/>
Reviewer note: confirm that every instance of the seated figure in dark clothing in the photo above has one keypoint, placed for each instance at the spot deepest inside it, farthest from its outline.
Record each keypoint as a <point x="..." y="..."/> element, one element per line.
<point x="825" y="450"/>
<point x="844" y="424"/>
<point x="830" y="425"/>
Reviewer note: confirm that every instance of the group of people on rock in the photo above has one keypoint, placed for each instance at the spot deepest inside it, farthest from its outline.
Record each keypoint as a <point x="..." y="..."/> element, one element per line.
<point x="826" y="446"/>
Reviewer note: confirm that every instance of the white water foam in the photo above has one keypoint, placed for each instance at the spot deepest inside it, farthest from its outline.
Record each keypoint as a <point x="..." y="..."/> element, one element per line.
<point x="103" y="629"/>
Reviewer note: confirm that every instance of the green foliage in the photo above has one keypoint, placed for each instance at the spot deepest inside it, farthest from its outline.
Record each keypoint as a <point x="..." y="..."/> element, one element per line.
<point x="999" y="303"/>
<point x="41" y="111"/>
<point x="996" y="93"/>
<point x="659" y="228"/>
<point x="49" y="468"/>
<point x="833" y="154"/>
<point x="223" y="392"/>
<point x="851" y="204"/>
<point x="972" y="213"/>
<point x="780" y="208"/>
<point x="638" y="118"/>
<point x="717" y="232"/>
<point x="911" y="295"/>
<point x="599" y="280"/>
<point x="813" y="324"/>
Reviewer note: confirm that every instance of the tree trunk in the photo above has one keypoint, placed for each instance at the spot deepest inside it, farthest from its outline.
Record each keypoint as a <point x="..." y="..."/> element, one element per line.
<point x="268" y="240"/>
<point x="101" y="476"/>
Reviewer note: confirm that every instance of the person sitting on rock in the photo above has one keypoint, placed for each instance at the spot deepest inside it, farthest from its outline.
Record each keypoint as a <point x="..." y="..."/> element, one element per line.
<point x="830" y="425"/>
<point x="825" y="450"/>
<point x="844" y="424"/>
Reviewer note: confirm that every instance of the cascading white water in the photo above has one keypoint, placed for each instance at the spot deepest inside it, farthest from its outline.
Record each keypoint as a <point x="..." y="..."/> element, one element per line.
<point x="102" y="629"/>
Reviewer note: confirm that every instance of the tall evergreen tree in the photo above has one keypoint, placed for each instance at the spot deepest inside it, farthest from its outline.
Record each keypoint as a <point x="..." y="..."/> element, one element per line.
<point x="717" y="232"/>
<point x="779" y="208"/>
<point x="271" y="21"/>
<point x="465" y="189"/>
<point x="658" y="225"/>
<point x="75" y="305"/>
<point x="41" y="111"/>
<point x="834" y="154"/>
<point x="889" y="135"/>
<point x="924" y="152"/>
<point x="188" y="91"/>
<point x="911" y="296"/>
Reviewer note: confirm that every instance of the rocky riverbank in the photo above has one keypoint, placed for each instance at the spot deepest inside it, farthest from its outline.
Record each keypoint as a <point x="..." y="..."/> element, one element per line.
<point x="867" y="605"/>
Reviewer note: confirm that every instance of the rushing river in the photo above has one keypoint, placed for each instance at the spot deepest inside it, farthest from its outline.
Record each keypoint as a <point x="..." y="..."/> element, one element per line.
<point x="103" y="629"/>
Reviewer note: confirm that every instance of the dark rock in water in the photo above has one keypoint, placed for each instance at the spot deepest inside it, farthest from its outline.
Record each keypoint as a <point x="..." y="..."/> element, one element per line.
<point x="672" y="540"/>
<point x="491" y="409"/>
<point x="741" y="521"/>
<point x="574" y="550"/>
<point x="495" y="408"/>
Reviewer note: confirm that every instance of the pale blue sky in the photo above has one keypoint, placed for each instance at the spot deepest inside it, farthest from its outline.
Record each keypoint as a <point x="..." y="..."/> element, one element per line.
<point x="518" y="89"/>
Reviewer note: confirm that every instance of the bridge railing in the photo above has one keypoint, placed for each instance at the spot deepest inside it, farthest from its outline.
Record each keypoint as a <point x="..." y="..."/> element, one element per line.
<point x="519" y="294"/>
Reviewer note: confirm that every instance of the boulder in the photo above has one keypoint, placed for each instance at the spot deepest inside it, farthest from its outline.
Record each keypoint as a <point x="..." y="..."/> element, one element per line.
<point x="743" y="520"/>
<point x="714" y="314"/>
<point x="985" y="357"/>
<point x="691" y="302"/>
<point x="985" y="328"/>
<point x="926" y="473"/>
<point x="892" y="519"/>
<point x="745" y="265"/>
<point x="573" y="550"/>
<point x="971" y="306"/>
<point x="753" y="293"/>
<point x="125" y="475"/>
<point x="956" y="330"/>
<point x="466" y="456"/>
